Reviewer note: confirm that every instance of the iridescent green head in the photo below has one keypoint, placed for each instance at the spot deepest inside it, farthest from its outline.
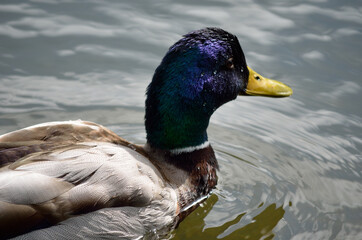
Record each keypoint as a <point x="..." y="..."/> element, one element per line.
<point x="199" y="73"/>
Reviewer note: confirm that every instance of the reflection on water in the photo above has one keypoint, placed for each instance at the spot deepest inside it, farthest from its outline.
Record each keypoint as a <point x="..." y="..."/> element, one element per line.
<point x="289" y="168"/>
<point x="261" y="226"/>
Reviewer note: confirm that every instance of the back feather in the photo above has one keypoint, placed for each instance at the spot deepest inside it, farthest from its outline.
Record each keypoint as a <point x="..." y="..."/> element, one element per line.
<point x="56" y="171"/>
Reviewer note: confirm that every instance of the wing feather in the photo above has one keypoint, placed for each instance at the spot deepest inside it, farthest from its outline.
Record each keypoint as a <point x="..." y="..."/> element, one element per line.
<point x="48" y="136"/>
<point x="54" y="171"/>
<point x="21" y="187"/>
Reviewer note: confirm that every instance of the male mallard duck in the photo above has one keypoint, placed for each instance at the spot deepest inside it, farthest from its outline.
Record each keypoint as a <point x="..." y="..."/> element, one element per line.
<point x="79" y="180"/>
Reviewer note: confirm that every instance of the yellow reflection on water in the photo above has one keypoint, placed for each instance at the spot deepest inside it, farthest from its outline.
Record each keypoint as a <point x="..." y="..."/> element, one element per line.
<point x="194" y="226"/>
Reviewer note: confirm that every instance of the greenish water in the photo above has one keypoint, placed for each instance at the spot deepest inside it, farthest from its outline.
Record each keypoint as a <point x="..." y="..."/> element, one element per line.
<point x="289" y="168"/>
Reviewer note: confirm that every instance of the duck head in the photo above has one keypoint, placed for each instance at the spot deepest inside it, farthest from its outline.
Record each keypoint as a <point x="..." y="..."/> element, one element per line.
<point x="199" y="73"/>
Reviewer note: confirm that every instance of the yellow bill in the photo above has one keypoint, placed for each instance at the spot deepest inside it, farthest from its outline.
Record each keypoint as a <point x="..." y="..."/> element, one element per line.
<point x="260" y="86"/>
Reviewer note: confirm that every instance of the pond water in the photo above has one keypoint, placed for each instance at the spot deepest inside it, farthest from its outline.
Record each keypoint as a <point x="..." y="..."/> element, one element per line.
<point x="289" y="168"/>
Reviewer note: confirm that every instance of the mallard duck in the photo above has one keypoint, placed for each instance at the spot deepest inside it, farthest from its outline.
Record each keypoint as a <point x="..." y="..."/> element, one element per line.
<point x="79" y="180"/>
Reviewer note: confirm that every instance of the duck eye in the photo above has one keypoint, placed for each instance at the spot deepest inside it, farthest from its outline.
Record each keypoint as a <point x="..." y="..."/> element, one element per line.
<point x="230" y="63"/>
<point x="257" y="77"/>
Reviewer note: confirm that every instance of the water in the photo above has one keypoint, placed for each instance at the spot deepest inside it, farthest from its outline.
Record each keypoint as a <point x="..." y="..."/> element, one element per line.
<point x="290" y="168"/>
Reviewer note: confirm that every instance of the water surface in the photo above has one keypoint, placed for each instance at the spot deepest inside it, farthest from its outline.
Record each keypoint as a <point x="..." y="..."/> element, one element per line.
<point x="289" y="168"/>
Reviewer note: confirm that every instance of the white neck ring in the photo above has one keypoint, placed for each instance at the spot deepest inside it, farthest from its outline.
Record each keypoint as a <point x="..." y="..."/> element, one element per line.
<point x="177" y="151"/>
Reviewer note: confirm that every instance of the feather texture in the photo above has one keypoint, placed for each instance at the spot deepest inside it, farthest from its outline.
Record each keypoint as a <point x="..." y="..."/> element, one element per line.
<point x="76" y="167"/>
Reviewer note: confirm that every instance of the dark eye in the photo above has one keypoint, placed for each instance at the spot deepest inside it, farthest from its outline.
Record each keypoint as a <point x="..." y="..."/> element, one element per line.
<point x="230" y="63"/>
<point x="257" y="77"/>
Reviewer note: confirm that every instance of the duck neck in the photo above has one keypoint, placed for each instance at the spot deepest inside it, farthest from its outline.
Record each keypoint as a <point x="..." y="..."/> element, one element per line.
<point x="177" y="131"/>
<point x="176" y="120"/>
<point x="197" y="176"/>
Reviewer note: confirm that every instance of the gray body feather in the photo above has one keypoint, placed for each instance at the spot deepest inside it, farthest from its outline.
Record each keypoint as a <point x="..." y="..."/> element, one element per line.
<point x="82" y="178"/>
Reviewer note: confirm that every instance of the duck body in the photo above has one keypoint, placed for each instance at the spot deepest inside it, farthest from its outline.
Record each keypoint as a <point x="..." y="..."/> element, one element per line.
<point x="79" y="180"/>
<point x="94" y="184"/>
<point x="74" y="172"/>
